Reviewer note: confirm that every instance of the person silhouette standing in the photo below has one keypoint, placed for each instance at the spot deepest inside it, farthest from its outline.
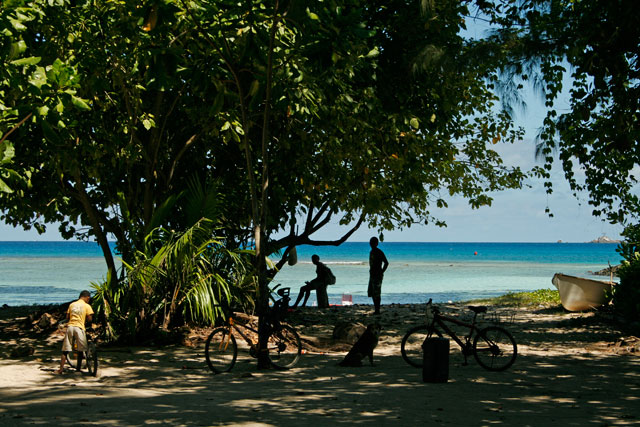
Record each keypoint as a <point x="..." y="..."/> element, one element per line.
<point x="377" y="266"/>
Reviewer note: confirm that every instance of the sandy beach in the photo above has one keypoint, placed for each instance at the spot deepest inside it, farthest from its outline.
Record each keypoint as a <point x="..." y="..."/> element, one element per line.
<point x="573" y="369"/>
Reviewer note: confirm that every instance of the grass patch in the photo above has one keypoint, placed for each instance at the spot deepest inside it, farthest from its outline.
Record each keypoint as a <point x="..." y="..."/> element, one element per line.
<point x="541" y="297"/>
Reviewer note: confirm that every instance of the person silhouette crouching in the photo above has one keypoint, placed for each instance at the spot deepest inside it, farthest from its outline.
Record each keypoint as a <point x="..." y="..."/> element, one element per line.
<point x="321" y="280"/>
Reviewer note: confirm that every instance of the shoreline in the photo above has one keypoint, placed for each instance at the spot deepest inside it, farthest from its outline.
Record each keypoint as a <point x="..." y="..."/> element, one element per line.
<point x="335" y="300"/>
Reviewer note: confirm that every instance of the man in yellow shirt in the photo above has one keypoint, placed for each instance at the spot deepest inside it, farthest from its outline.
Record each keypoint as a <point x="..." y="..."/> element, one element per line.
<point x="78" y="313"/>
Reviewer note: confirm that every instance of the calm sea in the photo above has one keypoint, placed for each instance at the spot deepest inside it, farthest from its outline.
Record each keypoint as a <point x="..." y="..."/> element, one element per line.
<point x="52" y="272"/>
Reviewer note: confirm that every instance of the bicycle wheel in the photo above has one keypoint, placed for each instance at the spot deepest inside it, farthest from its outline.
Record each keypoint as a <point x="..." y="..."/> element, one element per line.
<point x="284" y="347"/>
<point x="494" y="348"/>
<point x="72" y="359"/>
<point x="221" y="350"/>
<point x="91" y="356"/>
<point x="411" y="347"/>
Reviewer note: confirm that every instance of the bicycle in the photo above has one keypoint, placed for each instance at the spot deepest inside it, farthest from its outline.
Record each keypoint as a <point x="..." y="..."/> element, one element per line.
<point x="493" y="347"/>
<point x="284" y="346"/>
<point x="89" y="357"/>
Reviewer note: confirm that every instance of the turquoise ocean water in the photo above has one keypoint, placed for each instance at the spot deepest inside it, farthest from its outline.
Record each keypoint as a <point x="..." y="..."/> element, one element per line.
<point x="53" y="272"/>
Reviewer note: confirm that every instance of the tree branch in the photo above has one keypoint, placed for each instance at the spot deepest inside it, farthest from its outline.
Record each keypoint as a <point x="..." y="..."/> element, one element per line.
<point x="187" y="144"/>
<point x="15" y="127"/>
<point x="338" y="242"/>
<point x="318" y="224"/>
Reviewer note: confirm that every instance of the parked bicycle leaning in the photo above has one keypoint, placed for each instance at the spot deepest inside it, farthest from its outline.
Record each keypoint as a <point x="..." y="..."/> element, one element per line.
<point x="493" y="347"/>
<point x="284" y="346"/>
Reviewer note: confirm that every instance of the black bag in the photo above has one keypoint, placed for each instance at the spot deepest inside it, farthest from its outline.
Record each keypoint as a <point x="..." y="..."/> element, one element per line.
<point x="331" y="279"/>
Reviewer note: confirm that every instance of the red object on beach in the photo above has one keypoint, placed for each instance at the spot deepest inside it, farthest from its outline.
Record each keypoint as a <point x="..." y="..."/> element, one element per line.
<point x="475" y="253"/>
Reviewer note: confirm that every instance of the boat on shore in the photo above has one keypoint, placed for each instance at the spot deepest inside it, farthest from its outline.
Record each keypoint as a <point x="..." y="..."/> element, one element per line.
<point x="579" y="294"/>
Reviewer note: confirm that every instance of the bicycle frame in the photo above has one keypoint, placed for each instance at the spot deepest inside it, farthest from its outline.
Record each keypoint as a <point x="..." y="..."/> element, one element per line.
<point x="232" y="325"/>
<point x="235" y="326"/>
<point x="88" y="356"/>
<point x="465" y="346"/>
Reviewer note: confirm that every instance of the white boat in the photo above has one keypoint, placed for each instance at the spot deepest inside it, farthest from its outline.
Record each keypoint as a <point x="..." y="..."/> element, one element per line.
<point x="578" y="293"/>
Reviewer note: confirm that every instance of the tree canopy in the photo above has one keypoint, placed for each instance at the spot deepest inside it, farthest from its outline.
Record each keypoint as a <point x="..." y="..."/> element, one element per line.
<point x="371" y="112"/>
<point x="595" y="42"/>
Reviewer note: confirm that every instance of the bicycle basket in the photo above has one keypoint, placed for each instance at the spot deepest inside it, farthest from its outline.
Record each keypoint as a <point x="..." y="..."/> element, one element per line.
<point x="505" y="317"/>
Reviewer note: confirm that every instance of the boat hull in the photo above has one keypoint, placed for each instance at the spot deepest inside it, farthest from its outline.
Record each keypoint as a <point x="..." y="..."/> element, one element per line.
<point x="579" y="294"/>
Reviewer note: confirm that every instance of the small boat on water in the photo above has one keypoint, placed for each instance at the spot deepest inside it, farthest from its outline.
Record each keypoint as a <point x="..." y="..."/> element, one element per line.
<point x="578" y="293"/>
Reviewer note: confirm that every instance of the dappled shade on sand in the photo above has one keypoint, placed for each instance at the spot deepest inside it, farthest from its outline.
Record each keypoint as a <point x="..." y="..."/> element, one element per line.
<point x="573" y="369"/>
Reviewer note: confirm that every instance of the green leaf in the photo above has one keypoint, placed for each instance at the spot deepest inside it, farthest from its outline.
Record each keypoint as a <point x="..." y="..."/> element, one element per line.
<point x="218" y="103"/>
<point x="17" y="24"/>
<point x="31" y="60"/>
<point x="6" y="152"/>
<point x="373" y="53"/>
<point x="254" y="87"/>
<point x="4" y="188"/>
<point x="80" y="103"/>
<point x="312" y="15"/>
<point x="49" y="133"/>
<point x="414" y="123"/>
<point x="43" y="111"/>
<point x="38" y="77"/>
<point x="17" y="48"/>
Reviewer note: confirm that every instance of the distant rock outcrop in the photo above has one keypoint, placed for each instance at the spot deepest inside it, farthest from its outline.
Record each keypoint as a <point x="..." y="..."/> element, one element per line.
<point x="604" y="239"/>
<point x="607" y="271"/>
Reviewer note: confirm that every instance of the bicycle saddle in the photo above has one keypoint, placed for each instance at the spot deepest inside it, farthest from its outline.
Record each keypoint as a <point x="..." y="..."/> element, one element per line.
<point x="478" y="309"/>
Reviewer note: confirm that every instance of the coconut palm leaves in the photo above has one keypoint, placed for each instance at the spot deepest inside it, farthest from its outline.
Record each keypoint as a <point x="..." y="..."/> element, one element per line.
<point x="177" y="277"/>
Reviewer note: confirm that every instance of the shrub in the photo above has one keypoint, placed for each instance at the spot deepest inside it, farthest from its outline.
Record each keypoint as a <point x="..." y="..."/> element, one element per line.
<point x="177" y="277"/>
<point x="626" y="295"/>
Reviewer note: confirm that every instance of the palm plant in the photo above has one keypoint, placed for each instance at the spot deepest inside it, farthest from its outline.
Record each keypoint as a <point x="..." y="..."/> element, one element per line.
<point x="177" y="277"/>
<point x="182" y="277"/>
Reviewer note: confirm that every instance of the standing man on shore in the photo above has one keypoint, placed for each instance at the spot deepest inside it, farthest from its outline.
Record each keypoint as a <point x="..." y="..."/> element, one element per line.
<point x="377" y="266"/>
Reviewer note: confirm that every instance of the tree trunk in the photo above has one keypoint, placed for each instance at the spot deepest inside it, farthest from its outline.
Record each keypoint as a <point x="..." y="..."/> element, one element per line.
<point x="263" y="301"/>
<point x="101" y="237"/>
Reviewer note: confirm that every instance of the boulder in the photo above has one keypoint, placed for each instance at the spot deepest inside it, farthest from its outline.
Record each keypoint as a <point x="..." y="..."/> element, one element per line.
<point x="47" y="321"/>
<point x="22" y="351"/>
<point x="606" y="271"/>
<point x="348" y="331"/>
